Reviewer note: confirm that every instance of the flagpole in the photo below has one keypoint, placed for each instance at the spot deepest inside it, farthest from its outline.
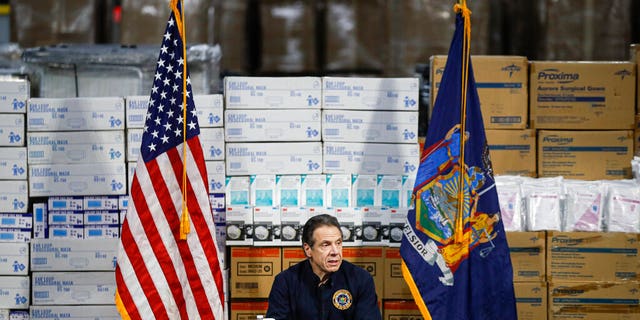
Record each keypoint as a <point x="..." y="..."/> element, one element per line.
<point x="461" y="6"/>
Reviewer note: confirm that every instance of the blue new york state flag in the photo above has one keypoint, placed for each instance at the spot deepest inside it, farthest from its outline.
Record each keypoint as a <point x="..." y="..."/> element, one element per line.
<point x="454" y="251"/>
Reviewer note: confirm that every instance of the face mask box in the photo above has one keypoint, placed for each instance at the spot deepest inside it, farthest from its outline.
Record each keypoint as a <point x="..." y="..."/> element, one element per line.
<point x="313" y="190"/>
<point x="212" y="141"/>
<point x="288" y="190"/>
<point x="75" y="114"/>
<point x="239" y="225"/>
<point x="14" y="196"/>
<point x="14" y="93"/>
<point x="13" y="163"/>
<point x="215" y="176"/>
<point x="101" y="202"/>
<point x="274" y="158"/>
<point x="108" y="312"/>
<point x="339" y="193"/>
<point x="292" y="219"/>
<point x="77" y="179"/>
<point x="65" y="203"/>
<point x="237" y="191"/>
<point x="74" y="255"/>
<point x="75" y="147"/>
<point x="12" y="130"/>
<point x="400" y="94"/>
<point x="14" y="292"/>
<point x="208" y="110"/>
<point x="370" y="126"/>
<point x="363" y="189"/>
<point x="263" y="190"/>
<point x="351" y="225"/>
<point x="272" y="93"/>
<point x="266" y="226"/>
<point x="371" y="158"/>
<point x="73" y="288"/>
<point x="272" y="125"/>
<point x="16" y="220"/>
<point x="14" y="259"/>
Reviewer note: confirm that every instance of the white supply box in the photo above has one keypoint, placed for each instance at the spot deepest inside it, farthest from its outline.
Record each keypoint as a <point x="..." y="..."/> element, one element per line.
<point x="131" y="171"/>
<point x="351" y="225"/>
<point x="370" y="126"/>
<point x="74" y="312"/>
<point x="371" y="158"/>
<point x="263" y="190"/>
<point x="292" y="219"/>
<point x="14" y="259"/>
<point x="14" y="196"/>
<point x="217" y="202"/>
<point x="397" y="219"/>
<point x="313" y="190"/>
<point x="239" y="225"/>
<point x="134" y="141"/>
<point x="375" y="222"/>
<point x="13" y="163"/>
<point x="272" y="125"/>
<point x="123" y="201"/>
<point x="16" y="220"/>
<point x="215" y="176"/>
<point x="77" y="179"/>
<point x="65" y="203"/>
<point x="74" y="255"/>
<point x="14" y="292"/>
<point x="408" y="183"/>
<point x="71" y="218"/>
<point x="266" y="226"/>
<point x="212" y="141"/>
<point x="208" y="110"/>
<point x="274" y="158"/>
<point x="12" y="130"/>
<point x="288" y="190"/>
<point x="40" y="220"/>
<point x="272" y="93"/>
<point x="15" y="235"/>
<point x="237" y="191"/>
<point x="101" y="217"/>
<point x="75" y="114"/>
<point x="339" y="190"/>
<point x="65" y="232"/>
<point x="101" y="202"/>
<point x="77" y="288"/>
<point x="75" y="147"/>
<point x="363" y="190"/>
<point x="14" y="93"/>
<point x="370" y="93"/>
<point x="389" y="191"/>
<point x="102" y="231"/>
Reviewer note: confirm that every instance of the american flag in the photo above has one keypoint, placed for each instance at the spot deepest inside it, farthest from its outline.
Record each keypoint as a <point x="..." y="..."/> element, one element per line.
<point x="158" y="275"/>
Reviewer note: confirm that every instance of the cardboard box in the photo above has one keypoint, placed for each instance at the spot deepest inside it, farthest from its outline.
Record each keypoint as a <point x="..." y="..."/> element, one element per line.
<point x="272" y="93"/>
<point x="274" y="158"/>
<point x="513" y="152"/>
<point x="272" y="125"/>
<point x="74" y="312"/>
<point x="531" y="300"/>
<point x="635" y="57"/>
<point x="592" y="256"/>
<point x="585" y="155"/>
<point x="394" y="285"/>
<point x="502" y="88"/>
<point x="370" y="126"/>
<point x="77" y="288"/>
<point x="75" y="147"/>
<point x="247" y="310"/>
<point x="370" y="158"/>
<point x="582" y="95"/>
<point x="292" y="256"/>
<point x="12" y="130"/>
<point x="636" y="135"/>
<point x="399" y="94"/>
<point x="527" y="251"/>
<point x="401" y="310"/>
<point x="253" y="271"/>
<point x="594" y="300"/>
<point x="75" y="114"/>
<point x="74" y="255"/>
<point x="14" y="258"/>
<point x="13" y="163"/>
<point x="370" y="259"/>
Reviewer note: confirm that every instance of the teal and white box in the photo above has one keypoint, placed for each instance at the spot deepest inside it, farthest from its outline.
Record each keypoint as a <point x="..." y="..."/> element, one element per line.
<point x="408" y="183"/>
<point x="101" y="217"/>
<point x="66" y="232"/>
<point x="215" y="176"/>
<point x="339" y="190"/>
<point x="274" y="158"/>
<point x="266" y="226"/>
<point x="14" y="259"/>
<point x="12" y="130"/>
<point x="73" y="288"/>
<point x="375" y="222"/>
<point x="209" y="110"/>
<point x="351" y="225"/>
<point x="400" y="94"/>
<point x="292" y="219"/>
<point x="75" y="114"/>
<point x="237" y="191"/>
<point x="40" y="220"/>
<point x="288" y="190"/>
<point x="212" y="141"/>
<point x="14" y="292"/>
<point x="101" y="202"/>
<point x="272" y="125"/>
<point x="363" y="188"/>
<point x="371" y="158"/>
<point x="14" y="196"/>
<point x="102" y="231"/>
<point x="74" y="255"/>
<point x="263" y="190"/>
<point x="72" y="218"/>
<point x="370" y="126"/>
<point x="272" y="92"/>
<point x="14" y="93"/>
<point x="13" y="163"/>
<point x="76" y="147"/>
<point x="106" y="312"/>
<point x="389" y="191"/>
<point x="239" y="225"/>
<point x="107" y="178"/>
<point x="313" y="190"/>
<point x="15" y="235"/>
<point x="66" y="203"/>
<point x="16" y="220"/>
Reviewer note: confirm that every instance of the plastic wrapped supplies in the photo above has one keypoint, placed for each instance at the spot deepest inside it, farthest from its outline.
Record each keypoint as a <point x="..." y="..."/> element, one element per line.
<point x="511" y="203"/>
<point x="583" y="205"/>
<point x="543" y="199"/>
<point x="622" y="212"/>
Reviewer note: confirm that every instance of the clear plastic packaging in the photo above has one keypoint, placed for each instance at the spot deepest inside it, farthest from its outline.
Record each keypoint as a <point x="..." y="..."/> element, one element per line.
<point x="584" y="205"/>
<point x="622" y="212"/>
<point x="511" y="203"/>
<point x="544" y="203"/>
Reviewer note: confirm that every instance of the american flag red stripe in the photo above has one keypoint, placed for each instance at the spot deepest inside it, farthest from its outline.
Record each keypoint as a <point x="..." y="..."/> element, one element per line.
<point x="159" y="275"/>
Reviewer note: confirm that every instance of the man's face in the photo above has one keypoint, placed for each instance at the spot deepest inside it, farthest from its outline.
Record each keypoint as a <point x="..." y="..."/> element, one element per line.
<point x="326" y="254"/>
